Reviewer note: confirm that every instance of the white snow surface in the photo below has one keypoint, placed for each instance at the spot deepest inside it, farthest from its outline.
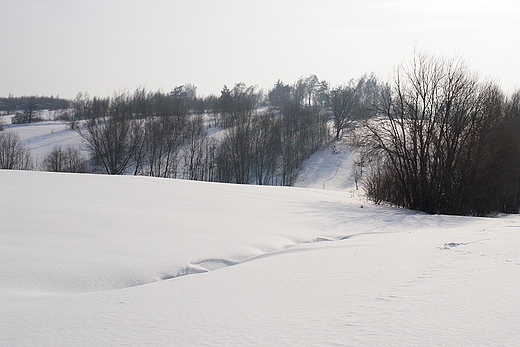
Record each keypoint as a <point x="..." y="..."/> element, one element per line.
<point x="96" y="260"/>
<point x="40" y="138"/>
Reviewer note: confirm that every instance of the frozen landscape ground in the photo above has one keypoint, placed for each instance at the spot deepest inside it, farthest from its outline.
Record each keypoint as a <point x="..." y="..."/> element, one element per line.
<point x="95" y="260"/>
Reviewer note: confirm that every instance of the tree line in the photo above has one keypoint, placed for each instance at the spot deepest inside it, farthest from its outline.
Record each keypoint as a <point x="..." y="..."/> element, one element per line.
<point x="436" y="138"/>
<point x="241" y="136"/>
<point x="163" y="135"/>
<point x="27" y="107"/>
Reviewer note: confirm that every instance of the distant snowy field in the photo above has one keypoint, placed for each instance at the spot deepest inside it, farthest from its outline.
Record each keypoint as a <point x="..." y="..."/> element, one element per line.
<point x="95" y="260"/>
<point x="40" y="138"/>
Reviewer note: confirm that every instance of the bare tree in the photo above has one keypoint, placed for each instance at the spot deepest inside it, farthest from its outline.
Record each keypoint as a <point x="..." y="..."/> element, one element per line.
<point x="344" y="104"/>
<point x="359" y="166"/>
<point x="266" y="148"/>
<point x="353" y="102"/>
<point x="513" y="105"/>
<point x="280" y="96"/>
<point x="141" y="103"/>
<point x="304" y="130"/>
<point x="114" y="139"/>
<point x="14" y="155"/>
<point x="237" y="105"/>
<point x="163" y="138"/>
<point x="305" y="91"/>
<point x="199" y="153"/>
<point x="81" y="109"/>
<point x="438" y="125"/>
<point x="68" y="159"/>
<point x="234" y="158"/>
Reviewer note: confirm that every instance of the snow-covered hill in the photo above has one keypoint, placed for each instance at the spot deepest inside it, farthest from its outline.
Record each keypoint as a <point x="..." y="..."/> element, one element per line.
<point x="40" y="138"/>
<point x="95" y="260"/>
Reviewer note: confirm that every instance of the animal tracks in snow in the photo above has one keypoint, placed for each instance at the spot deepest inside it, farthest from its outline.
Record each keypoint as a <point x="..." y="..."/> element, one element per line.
<point x="457" y="247"/>
<point x="452" y="245"/>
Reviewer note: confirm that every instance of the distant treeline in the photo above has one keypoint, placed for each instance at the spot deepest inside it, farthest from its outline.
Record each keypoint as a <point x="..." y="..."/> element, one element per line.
<point x="12" y="104"/>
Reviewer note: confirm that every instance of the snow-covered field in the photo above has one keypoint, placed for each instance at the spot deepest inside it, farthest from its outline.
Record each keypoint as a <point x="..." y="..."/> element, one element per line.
<point x="95" y="260"/>
<point x="40" y="138"/>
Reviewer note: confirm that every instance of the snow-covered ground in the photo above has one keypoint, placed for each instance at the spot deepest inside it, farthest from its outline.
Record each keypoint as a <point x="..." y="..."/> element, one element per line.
<point x="40" y="138"/>
<point x="95" y="260"/>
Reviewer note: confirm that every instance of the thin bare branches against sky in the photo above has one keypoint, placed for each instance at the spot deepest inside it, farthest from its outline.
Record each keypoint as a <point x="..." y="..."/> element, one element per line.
<point x="62" y="47"/>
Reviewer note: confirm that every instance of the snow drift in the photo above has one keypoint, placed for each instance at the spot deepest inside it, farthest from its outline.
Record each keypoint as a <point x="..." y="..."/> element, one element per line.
<point x="102" y="260"/>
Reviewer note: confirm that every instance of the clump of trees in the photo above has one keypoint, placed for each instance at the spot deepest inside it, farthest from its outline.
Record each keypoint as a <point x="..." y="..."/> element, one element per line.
<point x="445" y="142"/>
<point x="16" y="156"/>
<point x="142" y="132"/>
<point x="165" y="135"/>
<point x="65" y="159"/>
<point x="236" y="105"/>
<point x="13" y="154"/>
<point x="352" y="102"/>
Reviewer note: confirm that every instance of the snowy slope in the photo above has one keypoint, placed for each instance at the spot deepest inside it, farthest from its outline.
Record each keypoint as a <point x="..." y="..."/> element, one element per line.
<point x="97" y="260"/>
<point x="330" y="168"/>
<point x="94" y="260"/>
<point x="40" y="138"/>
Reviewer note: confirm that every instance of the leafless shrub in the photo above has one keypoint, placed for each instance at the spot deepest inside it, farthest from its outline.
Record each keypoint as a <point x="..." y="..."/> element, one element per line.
<point x="68" y="159"/>
<point x="442" y="139"/>
<point x="14" y="155"/>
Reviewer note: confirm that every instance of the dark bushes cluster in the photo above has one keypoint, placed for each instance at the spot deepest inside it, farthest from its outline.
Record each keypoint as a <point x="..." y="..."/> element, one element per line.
<point x="444" y="142"/>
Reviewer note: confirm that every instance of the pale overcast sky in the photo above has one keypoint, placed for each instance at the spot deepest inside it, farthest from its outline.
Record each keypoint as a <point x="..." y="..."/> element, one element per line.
<point x="62" y="47"/>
